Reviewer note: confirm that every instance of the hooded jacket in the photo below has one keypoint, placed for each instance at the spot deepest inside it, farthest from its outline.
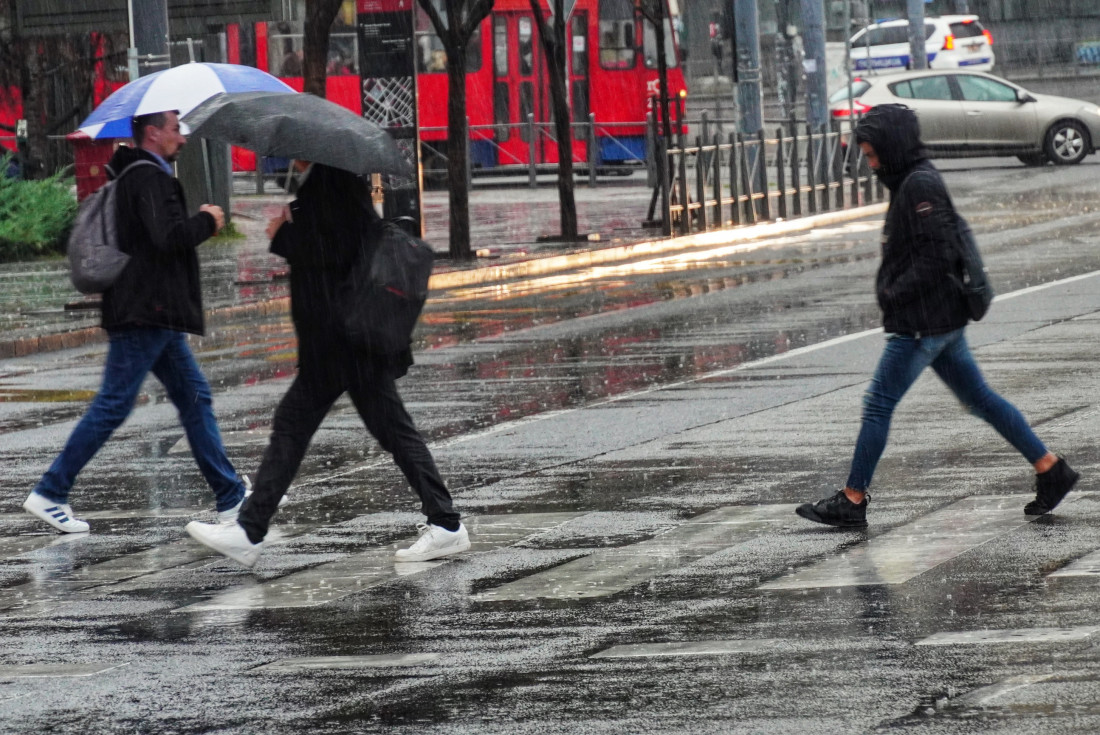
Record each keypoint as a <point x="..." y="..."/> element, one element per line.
<point x="914" y="286"/>
<point x="159" y="287"/>
<point x="332" y="216"/>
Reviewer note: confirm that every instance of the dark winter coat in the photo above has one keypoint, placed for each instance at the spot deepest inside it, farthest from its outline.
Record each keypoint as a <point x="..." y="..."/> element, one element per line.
<point x="160" y="285"/>
<point x="331" y="220"/>
<point x="914" y="286"/>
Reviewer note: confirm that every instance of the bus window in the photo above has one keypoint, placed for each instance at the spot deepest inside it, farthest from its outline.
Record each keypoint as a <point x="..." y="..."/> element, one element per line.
<point x="502" y="113"/>
<point x="526" y="47"/>
<point x="430" y="54"/>
<point x="580" y="45"/>
<point x="526" y="108"/>
<point x="616" y="34"/>
<point x="500" y="46"/>
<point x="285" y="44"/>
<point x="650" y="46"/>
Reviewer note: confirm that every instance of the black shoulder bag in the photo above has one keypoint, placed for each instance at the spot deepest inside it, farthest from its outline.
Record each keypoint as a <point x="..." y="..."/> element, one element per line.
<point x="384" y="293"/>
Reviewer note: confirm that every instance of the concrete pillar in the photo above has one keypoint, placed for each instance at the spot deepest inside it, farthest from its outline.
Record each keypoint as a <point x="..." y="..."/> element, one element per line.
<point x="918" y="59"/>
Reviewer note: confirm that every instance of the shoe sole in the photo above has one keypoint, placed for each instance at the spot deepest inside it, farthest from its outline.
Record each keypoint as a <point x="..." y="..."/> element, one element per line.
<point x="1035" y="508"/>
<point x="43" y="516"/>
<point x="809" y="514"/>
<point x="242" y="560"/>
<point x="438" y="553"/>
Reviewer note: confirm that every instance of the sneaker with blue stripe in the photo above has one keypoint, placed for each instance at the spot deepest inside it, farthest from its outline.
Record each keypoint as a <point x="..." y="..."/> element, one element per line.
<point x="58" y="515"/>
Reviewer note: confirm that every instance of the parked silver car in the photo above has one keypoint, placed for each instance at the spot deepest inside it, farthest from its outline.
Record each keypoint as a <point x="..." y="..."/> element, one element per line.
<point x="966" y="113"/>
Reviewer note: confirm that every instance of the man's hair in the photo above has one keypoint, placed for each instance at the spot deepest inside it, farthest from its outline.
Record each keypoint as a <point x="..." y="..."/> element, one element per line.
<point x="138" y="124"/>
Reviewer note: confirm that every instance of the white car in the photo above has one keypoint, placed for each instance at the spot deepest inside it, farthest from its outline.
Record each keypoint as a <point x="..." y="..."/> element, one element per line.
<point x="950" y="42"/>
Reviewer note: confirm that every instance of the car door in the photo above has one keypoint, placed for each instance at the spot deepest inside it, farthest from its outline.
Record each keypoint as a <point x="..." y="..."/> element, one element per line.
<point x="995" y="118"/>
<point x="942" y="123"/>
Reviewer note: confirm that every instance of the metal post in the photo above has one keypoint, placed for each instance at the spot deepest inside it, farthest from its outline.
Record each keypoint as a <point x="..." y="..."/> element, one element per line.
<point x="735" y="178"/>
<point x="746" y="182"/>
<point x="838" y="164"/>
<point x="662" y="171"/>
<point x="781" y="181"/>
<point x="685" y="216"/>
<point x="918" y="59"/>
<point x="469" y="163"/>
<point x="811" y="168"/>
<point x="762" y="162"/>
<point x="593" y="153"/>
<point x="796" y="171"/>
<point x="259" y="174"/>
<point x="813" y="40"/>
<point x="747" y="63"/>
<point x="532" y="180"/>
<point x="716" y="176"/>
<point x="701" y="183"/>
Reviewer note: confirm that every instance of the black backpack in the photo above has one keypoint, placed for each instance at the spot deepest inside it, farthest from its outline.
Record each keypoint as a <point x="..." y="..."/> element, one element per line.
<point x="973" y="283"/>
<point x="381" y="299"/>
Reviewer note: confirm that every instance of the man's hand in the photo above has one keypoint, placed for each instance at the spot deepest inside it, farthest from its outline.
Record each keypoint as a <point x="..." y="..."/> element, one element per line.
<point x="219" y="216"/>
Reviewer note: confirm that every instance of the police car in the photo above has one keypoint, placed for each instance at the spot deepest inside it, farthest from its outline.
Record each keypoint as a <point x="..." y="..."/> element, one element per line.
<point x="950" y="42"/>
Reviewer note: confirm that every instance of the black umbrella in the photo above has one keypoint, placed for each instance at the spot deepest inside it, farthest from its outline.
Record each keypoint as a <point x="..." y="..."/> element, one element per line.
<point x="299" y="126"/>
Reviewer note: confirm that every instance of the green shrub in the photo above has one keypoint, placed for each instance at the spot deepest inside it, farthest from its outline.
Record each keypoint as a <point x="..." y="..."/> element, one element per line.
<point x="35" y="216"/>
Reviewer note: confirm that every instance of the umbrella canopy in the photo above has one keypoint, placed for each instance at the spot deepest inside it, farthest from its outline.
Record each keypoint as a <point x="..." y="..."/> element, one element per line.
<point x="299" y="126"/>
<point x="179" y="88"/>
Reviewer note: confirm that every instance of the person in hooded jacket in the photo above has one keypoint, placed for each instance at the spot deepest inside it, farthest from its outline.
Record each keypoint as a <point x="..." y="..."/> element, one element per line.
<point x="147" y="313"/>
<point x="924" y="316"/>
<point x="321" y="235"/>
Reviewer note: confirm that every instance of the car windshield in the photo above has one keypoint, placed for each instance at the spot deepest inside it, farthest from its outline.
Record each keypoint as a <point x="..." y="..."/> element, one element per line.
<point x="967" y="29"/>
<point x="859" y="86"/>
<point x="888" y="35"/>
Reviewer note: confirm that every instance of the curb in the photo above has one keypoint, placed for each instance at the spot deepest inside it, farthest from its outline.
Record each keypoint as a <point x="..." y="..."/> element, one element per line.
<point x="556" y="263"/>
<point x="25" y="346"/>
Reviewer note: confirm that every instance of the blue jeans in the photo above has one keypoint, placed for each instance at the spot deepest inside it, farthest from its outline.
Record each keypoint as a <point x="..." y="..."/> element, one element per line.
<point x="902" y="362"/>
<point x="132" y="354"/>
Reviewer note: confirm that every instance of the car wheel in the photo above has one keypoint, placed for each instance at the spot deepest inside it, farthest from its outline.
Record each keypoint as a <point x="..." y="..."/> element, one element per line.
<point x="1066" y="142"/>
<point x="1033" y="159"/>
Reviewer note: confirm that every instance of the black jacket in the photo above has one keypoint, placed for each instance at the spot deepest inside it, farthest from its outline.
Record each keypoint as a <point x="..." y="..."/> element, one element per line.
<point x="331" y="215"/>
<point x="160" y="285"/>
<point x="914" y="286"/>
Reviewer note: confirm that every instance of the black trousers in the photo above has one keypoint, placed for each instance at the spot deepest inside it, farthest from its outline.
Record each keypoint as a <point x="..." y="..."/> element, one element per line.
<point x="374" y="393"/>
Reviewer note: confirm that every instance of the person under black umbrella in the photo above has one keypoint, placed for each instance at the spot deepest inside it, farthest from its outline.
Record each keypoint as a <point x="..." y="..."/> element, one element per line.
<point x="320" y="234"/>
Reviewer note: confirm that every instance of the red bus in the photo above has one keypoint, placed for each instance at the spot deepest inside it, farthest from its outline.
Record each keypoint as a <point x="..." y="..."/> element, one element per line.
<point x="612" y="62"/>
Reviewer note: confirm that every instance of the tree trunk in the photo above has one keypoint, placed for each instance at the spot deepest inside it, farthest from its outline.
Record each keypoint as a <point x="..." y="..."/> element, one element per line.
<point x="562" y="118"/>
<point x="319" y="17"/>
<point x="34" y="112"/>
<point x="457" y="132"/>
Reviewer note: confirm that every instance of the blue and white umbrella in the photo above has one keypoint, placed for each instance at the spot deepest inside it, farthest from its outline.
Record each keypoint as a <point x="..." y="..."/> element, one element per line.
<point x="180" y="88"/>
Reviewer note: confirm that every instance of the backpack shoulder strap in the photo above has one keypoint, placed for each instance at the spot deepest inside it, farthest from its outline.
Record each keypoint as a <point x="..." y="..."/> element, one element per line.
<point x="130" y="167"/>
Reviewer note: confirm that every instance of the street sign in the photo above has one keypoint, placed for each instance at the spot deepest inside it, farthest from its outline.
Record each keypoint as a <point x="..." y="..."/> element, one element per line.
<point x="194" y="17"/>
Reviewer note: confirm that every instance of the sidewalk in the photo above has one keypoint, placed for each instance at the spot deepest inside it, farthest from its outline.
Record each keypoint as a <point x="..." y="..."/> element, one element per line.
<point x="44" y="313"/>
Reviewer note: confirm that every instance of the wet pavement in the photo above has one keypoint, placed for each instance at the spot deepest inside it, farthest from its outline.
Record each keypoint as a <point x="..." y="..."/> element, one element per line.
<point x="628" y="442"/>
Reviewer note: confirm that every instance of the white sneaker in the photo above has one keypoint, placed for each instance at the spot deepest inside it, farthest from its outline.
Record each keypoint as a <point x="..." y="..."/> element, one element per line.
<point x="58" y="515"/>
<point x="435" y="542"/>
<point x="228" y="539"/>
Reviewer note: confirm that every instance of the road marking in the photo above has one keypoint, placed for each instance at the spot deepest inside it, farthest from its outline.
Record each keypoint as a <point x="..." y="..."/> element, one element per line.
<point x="1020" y="635"/>
<point x="329" y="582"/>
<point x="1086" y="566"/>
<point x="692" y="648"/>
<point x="608" y="571"/>
<point x="380" y="661"/>
<point x="905" y="552"/>
<point x="984" y="696"/>
<point x="55" y="671"/>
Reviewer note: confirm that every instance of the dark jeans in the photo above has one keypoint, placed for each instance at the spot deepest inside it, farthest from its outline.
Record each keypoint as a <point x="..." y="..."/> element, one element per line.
<point x="299" y="415"/>
<point x="902" y="362"/>
<point x="132" y="354"/>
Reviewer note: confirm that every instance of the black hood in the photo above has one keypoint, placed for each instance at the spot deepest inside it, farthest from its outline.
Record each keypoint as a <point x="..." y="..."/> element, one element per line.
<point x="894" y="132"/>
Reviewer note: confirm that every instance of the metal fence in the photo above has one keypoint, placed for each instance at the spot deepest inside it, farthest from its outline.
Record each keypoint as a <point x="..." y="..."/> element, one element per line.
<point x="748" y="179"/>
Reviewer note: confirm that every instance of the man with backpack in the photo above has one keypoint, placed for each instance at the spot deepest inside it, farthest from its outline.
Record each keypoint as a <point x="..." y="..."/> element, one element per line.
<point x="925" y="312"/>
<point x="147" y="312"/>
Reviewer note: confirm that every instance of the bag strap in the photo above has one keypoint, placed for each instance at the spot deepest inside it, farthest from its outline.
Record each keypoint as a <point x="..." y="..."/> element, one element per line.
<point x="131" y="166"/>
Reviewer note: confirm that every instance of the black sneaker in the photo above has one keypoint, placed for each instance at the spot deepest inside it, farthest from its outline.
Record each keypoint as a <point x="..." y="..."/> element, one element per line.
<point x="1050" y="487"/>
<point x="836" y="511"/>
